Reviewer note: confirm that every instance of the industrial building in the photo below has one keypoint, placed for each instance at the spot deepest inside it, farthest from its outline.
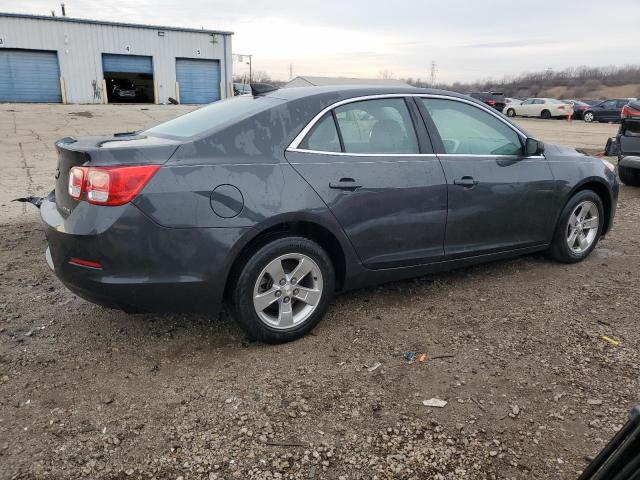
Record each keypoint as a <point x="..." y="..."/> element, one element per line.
<point x="72" y="60"/>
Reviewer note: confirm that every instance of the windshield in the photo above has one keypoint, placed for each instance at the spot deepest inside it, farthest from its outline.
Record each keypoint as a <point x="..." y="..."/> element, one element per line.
<point x="213" y="116"/>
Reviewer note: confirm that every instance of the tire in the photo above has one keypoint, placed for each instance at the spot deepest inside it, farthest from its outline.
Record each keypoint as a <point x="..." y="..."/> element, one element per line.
<point x="546" y="114"/>
<point x="588" y="116"/>
<point x="629" y="176"/>
<point x="286" y="317"/>
<point x="511" y="112"/>
<point x="560" y="249"/>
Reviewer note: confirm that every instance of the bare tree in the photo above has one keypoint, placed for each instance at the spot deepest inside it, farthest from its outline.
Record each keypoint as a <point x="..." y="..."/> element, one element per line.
<point x="385" y="74"/>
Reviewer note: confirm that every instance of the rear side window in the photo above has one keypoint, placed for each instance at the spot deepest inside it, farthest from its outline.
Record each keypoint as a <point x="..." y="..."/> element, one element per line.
<point x="212" y="116"/>
<point x="468" y="130"/>
<point x="377" y="126"/>
<point x="323" y="137"/>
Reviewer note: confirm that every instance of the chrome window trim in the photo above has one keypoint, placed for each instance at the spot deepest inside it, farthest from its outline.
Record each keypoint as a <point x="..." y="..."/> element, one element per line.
<point x="322" y="152"/>
<point x="293" y="147"/>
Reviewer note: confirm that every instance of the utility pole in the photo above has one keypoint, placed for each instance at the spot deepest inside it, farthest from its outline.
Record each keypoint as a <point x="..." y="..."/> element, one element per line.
<point x="290" y="71"/>
<point x="433" y="73"/>
<point x="240" y="57"/>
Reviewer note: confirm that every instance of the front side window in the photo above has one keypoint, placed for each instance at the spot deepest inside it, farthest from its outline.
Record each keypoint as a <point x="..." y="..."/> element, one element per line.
<point x="377" y="126"/>
<point x="468" y="130"/>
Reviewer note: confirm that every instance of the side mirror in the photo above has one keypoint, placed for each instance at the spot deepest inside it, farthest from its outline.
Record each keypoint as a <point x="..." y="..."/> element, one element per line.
<point x="533" y="147"/>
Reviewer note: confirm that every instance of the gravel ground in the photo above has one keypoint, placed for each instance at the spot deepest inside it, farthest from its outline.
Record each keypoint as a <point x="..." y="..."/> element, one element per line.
<point x="516" y="349"/>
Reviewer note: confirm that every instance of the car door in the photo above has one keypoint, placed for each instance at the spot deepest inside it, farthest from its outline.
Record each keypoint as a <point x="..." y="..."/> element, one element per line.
<point x="380" y="178"/>
<point x="606" y="110"/>
<point x="523" y="107"/>
<point x="498" y="199"/>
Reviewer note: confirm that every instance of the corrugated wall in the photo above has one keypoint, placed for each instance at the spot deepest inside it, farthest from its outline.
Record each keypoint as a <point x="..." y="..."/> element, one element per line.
<point x="80" y="47"/>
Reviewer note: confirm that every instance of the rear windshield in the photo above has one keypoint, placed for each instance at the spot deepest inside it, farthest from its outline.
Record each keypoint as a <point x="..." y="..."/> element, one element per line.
<point x="212" y="116"/>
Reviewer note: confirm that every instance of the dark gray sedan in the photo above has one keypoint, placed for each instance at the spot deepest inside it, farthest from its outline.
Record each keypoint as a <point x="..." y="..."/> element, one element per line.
<point x="274" y="201"/>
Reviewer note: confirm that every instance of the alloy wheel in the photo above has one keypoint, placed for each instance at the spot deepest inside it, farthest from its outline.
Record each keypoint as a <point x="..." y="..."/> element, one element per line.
<point x="588" y="117"/>
<point x="287" y="291"/>
<point x="582" y="227"/>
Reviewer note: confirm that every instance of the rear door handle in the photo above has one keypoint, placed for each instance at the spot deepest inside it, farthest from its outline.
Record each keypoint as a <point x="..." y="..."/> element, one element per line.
<point x="345" y="184"/>
<point x="466" y="182"/>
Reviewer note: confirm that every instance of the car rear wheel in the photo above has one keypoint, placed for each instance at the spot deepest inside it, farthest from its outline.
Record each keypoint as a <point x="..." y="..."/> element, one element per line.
<point x="546" y="114"/>
<point x="588" y="117"/>
<point x="579" y="228"/>
<point x="629" y="176"/>
<point x="511" y="112"/>
<point x="283" y="290"/>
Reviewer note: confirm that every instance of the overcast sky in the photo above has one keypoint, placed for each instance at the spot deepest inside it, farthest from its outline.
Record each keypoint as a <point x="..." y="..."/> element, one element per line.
<point x="468" y="39"/>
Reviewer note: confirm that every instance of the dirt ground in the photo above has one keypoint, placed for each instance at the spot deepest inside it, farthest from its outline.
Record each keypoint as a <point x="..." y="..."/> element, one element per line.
<point x="516" y="348"/>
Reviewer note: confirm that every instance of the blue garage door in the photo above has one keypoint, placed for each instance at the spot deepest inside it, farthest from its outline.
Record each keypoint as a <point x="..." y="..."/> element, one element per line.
<point x="126" y="63"/>
<point x="199" y="80"/>
<point x="29" y="76"/>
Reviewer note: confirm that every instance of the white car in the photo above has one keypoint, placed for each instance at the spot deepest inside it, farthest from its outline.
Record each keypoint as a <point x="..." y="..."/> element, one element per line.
<point x="538" y="107"/>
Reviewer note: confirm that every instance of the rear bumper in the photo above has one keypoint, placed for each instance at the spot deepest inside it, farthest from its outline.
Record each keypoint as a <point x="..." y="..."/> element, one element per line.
<point x="145" y="267"/>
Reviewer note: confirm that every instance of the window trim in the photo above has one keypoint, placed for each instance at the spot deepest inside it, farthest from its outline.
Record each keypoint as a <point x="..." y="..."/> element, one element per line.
<point x="294" y="145"/>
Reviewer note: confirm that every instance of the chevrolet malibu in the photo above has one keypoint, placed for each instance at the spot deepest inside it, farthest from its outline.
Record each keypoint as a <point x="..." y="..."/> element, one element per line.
<point x="277" y="200"/>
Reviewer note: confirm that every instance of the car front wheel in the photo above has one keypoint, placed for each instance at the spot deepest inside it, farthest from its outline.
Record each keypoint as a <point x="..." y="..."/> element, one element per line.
<point x="588" y="117"/>
<point x="283" y="289"/>
<point x="579" y="228"/>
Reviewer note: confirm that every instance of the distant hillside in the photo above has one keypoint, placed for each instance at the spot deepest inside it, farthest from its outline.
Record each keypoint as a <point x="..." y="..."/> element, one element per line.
<point x="582" y="82"/>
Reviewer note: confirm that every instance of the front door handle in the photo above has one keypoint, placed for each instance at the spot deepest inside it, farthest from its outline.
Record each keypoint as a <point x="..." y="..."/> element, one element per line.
<point x="466" y="182"/>
<point x="345" y="184"/>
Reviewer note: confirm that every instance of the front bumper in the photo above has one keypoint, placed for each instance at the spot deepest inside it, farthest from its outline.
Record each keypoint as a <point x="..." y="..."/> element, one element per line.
<point x="145" y="267"/>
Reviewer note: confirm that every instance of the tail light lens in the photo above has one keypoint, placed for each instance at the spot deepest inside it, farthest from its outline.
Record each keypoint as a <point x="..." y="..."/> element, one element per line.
<point x="109" y="186"/>
<point x="491" y="102"/>
<point x="76" y="181"/>
<point x="629" y="112"/>
<point x="560" y="107"/>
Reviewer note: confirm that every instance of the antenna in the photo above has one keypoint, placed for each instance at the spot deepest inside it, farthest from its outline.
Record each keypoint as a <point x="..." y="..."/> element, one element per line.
<point x="64" y="11"/>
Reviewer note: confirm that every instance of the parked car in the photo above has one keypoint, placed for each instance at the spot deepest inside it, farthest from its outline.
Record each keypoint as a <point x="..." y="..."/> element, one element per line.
<point x="122" y="90"/>
<point x="241" y="89"/>
<point x="277" y="200"/>
<point x="493" y="99"/>
<point x="539" y="107"/>
<point x="628" y="142"/>
<point x="578" y="107"/>
<point x="605" y="111"/>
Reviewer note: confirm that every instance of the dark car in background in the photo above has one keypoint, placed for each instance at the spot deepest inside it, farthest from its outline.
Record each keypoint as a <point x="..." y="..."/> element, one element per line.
<point x="628" y="142"/>
<point x="493" y="99"/>
<point x="579" y="107"/>
<point x="275" y="201"/>
<point x="605" y="111"/>
<point x="122" y="90"/>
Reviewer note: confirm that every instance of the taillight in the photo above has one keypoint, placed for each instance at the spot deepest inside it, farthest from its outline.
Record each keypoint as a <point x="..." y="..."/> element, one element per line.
<point x="110" y="186"/>
<point x="76" y="181"/>
<point x="560" y="107"/>
<point x="629" y="112"/>
<point x="491" y="102"/>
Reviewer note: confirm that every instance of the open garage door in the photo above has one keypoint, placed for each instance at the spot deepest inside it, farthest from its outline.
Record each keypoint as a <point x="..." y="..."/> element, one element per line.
<point x="129" y="78"/>
<point x="29" y="76"/>
<point x="199" y="80"/>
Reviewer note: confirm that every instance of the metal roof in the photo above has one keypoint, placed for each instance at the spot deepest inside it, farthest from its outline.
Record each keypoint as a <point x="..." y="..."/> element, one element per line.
<point x="112" y="24"/>
<point x="323" y="81"/>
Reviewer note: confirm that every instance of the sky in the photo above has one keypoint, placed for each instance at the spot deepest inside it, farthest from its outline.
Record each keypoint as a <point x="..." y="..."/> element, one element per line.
<point x="468" y="40"/>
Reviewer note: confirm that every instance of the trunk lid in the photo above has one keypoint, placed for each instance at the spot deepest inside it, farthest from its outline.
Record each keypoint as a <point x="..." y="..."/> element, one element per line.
<point x="99" y="151"/>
